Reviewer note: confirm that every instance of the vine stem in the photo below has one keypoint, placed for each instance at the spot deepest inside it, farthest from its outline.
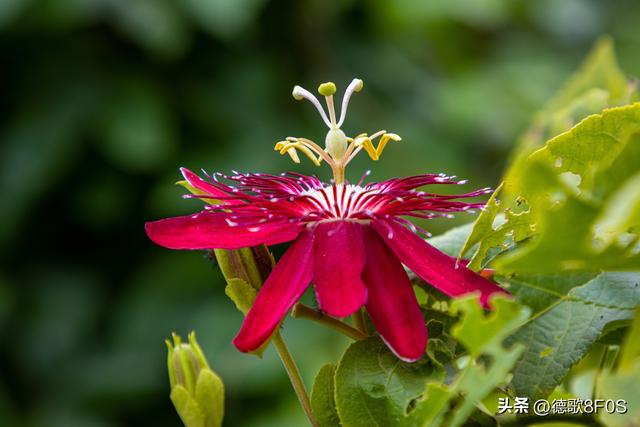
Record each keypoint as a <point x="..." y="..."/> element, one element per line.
<point x="303" y="311"/>
<point x="294" y="375"/>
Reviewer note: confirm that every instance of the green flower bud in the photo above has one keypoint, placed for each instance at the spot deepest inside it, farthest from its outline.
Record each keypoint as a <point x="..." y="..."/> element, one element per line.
<point x="197" y="392"/>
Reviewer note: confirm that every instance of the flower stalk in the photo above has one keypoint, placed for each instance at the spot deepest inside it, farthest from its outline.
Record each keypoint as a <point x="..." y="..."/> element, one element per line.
<point x="294" y="376"/>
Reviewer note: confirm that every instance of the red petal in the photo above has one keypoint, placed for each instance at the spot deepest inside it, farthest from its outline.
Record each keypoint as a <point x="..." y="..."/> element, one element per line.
<point x="207" y="230"/>
<point x="392" y="305"/>
<point x="284" y="286"/>
<point x="206" y="187"/>
<point x="435" y="267"/>
<point x="338" y="262"/>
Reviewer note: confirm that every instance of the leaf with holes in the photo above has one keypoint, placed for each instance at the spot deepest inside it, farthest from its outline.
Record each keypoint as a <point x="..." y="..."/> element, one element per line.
<point x="569" y="317"/>
<point x="570" y="185"/>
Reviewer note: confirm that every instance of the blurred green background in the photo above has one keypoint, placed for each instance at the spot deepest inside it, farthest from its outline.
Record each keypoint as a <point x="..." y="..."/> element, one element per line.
<point x="102" y="101"/>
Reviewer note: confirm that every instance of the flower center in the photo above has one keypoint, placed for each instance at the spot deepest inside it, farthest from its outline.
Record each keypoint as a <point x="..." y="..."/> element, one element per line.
<point x="339" y="149"/>
<point x="342" y="201"/>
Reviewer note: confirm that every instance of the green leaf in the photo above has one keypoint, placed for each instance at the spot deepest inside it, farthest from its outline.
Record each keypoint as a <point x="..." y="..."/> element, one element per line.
<point x="581" y="187"/>
<point x="187" y="407"/>
<point x="374" y="388"/>
<point x="483" y="335"/>
<point x="570" y="317"/>
<point x="621" y="213"/>
<point x="569" y="185"/>
<point x="323" y="397"/>
<point x="432" y="406"/>
<point x="597" y="84"/>
<point x="491" y="230"/>
<point x="210" y="398"/>
<point x="623" y="383"/>
<point x="482" y="228"/>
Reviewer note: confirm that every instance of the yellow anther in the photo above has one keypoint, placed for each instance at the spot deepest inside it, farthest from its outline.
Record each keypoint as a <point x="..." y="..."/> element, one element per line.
<point x="293" y="154"/>
<point x="291" y="146"/>
<point x="327" y="89"/>
<point x="365" y="142"/>
<point x="375" y="152"/>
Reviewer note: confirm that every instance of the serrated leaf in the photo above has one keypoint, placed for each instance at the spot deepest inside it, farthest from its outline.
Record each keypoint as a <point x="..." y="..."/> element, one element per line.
<point x="323" y="401"/>
<point x="580" y="185"/>
<point x="483" y="226"/>
<point x="597" y="84"/>
<point x="567" y="185"/>
<point x="374" y="388"/>
<point x="483" y="336"/>
<point x="566" y="325"/>
<point x="210" y="398"/>
<point x="495" y="231"/>
<point x="432" y="406"/>
<point x="187" y="407"/>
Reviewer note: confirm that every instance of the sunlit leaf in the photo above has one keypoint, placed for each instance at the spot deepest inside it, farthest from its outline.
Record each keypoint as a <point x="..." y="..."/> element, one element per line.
<point x="567" y="185"/>
<point x="493" y="231"/>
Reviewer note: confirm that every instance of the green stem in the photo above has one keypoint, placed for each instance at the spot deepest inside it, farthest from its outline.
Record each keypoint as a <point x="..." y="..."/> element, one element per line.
<point x="294" y="375"/>
<point x="306" y="312"/>
<point x="358" y="319"/>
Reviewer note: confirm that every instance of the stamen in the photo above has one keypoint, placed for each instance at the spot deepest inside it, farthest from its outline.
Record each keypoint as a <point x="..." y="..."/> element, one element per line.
<point x="375" y="152"/>
<point x="356" y="85"/>
<point x="290" y="148"/>
<point x="300" y="93"/>
<point x="339" y="149"/>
